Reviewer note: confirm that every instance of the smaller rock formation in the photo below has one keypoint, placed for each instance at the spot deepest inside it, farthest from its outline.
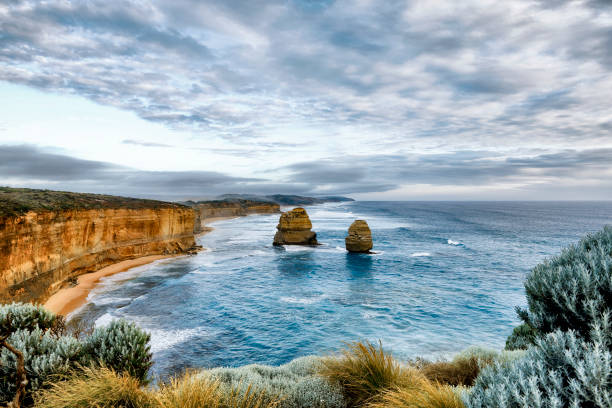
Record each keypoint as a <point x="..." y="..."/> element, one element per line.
<point x="359" y="237"/>
<point x="294" y="228"/>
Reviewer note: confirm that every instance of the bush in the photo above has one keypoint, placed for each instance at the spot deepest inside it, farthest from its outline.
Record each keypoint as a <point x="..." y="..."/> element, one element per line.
<point x="487" y="357"/>
<point x="122" y="346"/>
<point x="46" y="355"/>
<point x="363" y="371"/>
<point x="522" y="337"/>
<point x="463" y="369"/>
<point x="26" y="316"/>
<point x="296" y="384"/>
<point x="99" y="387"/>
<point x="562" y="370"/>
<point x="37" y="333"/>
<point x="571" y="291"/>
<point x="460" y="371"/>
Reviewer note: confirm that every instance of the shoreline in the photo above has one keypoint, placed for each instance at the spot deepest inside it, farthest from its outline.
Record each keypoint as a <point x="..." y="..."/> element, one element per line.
<point x="67" y="300"/>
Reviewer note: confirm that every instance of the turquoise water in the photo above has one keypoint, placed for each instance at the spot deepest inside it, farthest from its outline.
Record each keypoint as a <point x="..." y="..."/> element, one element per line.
<point x="444" y="276"/>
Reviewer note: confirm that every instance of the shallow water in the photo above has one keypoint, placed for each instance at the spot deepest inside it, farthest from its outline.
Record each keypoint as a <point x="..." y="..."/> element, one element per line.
<point x="445" y="276"/>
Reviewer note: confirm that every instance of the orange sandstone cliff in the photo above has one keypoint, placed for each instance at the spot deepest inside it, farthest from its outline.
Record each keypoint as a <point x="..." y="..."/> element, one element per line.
<point x="48" y="238"/>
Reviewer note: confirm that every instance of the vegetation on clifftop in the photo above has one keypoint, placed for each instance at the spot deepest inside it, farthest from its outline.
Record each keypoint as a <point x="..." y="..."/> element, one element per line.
<point x="18" y="201"/>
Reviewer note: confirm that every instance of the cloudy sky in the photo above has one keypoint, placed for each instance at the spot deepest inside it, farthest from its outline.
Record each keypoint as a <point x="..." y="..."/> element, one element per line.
<point x="445" y="99"/>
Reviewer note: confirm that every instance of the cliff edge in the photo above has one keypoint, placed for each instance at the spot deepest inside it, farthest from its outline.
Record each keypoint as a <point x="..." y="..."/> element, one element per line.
<point x="48" y="238"/>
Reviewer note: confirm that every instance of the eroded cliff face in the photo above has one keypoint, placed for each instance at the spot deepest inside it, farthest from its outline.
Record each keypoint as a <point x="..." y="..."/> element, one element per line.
<point x="41" y="250"/>
<point x="215" y="209"/>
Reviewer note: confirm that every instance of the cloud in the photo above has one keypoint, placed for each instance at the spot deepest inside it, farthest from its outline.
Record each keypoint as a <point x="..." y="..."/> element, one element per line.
<point x="397" y="86"/>
<point x="144" y="144"/>
<point x="349" y="175"/>
<point x="28" y="165"/>
<point x="379" y="173"/>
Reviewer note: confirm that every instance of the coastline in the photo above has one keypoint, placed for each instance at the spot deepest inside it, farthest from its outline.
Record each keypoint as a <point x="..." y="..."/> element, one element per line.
<point x="67" y="300"/>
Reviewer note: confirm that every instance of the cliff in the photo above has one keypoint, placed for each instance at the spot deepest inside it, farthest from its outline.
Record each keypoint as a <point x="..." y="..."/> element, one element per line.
<point x="48" y="238"/>
<point x="228" y="208"/>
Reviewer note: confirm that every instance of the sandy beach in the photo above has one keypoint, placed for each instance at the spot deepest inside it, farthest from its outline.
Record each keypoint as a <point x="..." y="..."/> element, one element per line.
<point x="69" y="299"/>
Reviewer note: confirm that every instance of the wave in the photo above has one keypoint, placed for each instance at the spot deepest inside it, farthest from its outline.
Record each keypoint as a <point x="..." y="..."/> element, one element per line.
<point x="302" y="301"/>
<point x="455" y="243"/>
<point x="164" y="339"/>
<point x="420" y="254"/>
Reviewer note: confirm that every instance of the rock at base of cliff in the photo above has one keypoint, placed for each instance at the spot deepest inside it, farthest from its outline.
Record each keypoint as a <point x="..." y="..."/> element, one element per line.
<point x="359" y="237"/>
<point x="294" y="228"/>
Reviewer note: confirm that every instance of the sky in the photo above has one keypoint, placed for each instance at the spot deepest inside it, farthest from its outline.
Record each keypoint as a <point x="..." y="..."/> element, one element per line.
<point x="376" y="100"/>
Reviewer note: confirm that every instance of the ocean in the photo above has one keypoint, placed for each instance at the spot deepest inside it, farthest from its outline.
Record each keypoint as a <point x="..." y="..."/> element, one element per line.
<point x="444" y="276"/>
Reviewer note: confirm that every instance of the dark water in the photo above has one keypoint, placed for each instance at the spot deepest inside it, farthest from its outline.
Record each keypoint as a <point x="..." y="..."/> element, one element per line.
<point x="446" y="276"/>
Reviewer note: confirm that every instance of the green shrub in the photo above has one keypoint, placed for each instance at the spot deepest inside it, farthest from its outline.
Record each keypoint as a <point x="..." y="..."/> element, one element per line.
<point x="487" y="357"/>
<point x="38" y="334"/>
<point x="561" y="370"/>
<point x="522" y="337"/>
<point x="46" y="355"/>
<point x="26" y="316"/>
<point x="572" y="291"/>
<point x="296" y="383"/>
<point x="122" y="346"/>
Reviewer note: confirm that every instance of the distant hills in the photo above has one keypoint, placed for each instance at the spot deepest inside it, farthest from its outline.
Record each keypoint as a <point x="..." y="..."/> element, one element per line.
<point x="285" y="199"/>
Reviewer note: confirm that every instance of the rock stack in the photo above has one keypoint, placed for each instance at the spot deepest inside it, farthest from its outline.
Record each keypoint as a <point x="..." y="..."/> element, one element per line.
<point x="294" y="228"/>
<point x="359" y="237"/>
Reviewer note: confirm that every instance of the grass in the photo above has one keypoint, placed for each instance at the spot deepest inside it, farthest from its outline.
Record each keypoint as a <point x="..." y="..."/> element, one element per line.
<point x="104" y="388"/>
<point x="364" y="371"/>
<point x="18" y="201"/>
<point x="458" y="372"/>
<point x="100" y="388"/>
<point x="422" y="394"/>
<point x="364" y="375"/>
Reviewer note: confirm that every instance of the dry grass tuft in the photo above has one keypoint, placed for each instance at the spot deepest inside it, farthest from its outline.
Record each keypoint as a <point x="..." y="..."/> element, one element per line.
<point x="459" y="372"/>
<point x="197" y="391"/>
<point x="364" y="370"/>
<point x="422" y="394"/>
<point x="249" y="398"/>
<point x="189" y="391"/>
<point x="100" y="388"/>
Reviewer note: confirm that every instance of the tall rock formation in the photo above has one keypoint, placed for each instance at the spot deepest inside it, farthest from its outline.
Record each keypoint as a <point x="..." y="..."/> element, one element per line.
<point x="294" y="228"/>
<point x="359" y="237"/>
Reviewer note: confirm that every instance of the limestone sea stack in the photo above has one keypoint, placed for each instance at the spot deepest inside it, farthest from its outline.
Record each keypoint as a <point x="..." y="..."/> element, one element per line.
<point x="359" y="237"/>
<point x="294" y="228"/>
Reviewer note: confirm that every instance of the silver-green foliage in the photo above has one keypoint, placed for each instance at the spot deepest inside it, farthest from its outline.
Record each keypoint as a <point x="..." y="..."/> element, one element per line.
<point x="560" y="371"/>
<point x="487" y="357"/>
<point x="25" y="316"/>
<point x="296" y="383"/>
<point x="122" y="346"/>
<point x="46" y="355"/>
<point x="572" y="291"/>
<point x="36" y="332"/>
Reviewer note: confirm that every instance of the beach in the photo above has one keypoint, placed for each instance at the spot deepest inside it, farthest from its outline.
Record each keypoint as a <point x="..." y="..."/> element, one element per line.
<point x="67" y="300"/>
